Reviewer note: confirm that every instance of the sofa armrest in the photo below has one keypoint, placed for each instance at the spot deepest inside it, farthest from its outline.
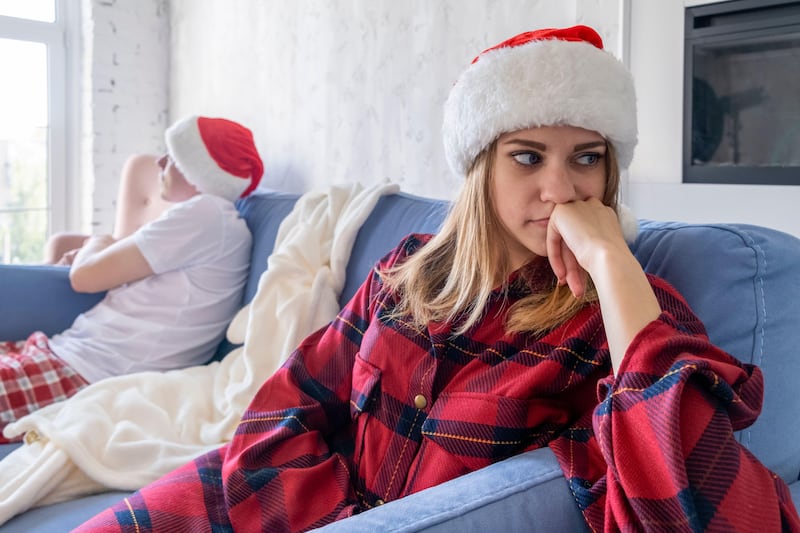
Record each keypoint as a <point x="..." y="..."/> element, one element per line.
<point x="39" y="298"/>
<point x="525" y="493"/>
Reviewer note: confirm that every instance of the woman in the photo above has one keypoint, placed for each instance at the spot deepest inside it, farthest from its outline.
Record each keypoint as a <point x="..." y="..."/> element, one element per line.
<point x="488" y="339"/>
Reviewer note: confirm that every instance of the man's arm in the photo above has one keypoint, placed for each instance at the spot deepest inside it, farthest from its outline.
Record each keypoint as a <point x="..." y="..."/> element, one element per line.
<point x="105" y="263"/>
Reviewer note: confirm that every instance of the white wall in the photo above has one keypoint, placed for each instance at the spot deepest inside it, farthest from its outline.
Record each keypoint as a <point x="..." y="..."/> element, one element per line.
<point x="340" y="90"/>
<point x="655" y="189"/>
<point x="343" y="90"/>
<point x="124" y="96"/>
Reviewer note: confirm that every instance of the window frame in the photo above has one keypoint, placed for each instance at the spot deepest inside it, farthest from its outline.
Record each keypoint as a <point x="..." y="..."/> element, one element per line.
<point x="62" y="39"/>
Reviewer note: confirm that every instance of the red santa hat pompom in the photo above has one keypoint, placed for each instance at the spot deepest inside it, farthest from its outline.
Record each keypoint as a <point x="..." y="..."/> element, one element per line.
<point x="216" y="155"/>
<point x="545" y="77"/>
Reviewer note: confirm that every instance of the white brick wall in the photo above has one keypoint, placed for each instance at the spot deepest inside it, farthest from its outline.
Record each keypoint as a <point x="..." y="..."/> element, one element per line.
<point x="125" y="84"/>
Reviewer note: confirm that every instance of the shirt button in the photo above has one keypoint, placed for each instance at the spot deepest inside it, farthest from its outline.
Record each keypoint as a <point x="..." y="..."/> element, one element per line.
<point x="379" y="502"/>
<point x="420" y="401"/>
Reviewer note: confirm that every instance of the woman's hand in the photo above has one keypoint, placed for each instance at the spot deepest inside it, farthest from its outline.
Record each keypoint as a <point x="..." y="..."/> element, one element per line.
<point x="577" y="234"/>
<point x="586" y="237"/>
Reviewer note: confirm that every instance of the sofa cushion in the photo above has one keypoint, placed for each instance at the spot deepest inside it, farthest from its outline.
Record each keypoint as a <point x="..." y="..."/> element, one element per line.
<point x="63" y="516"/>
<point x="36" y="307"/>
<point x="6" y="449"/>
<point x="526" y="493"/>
<point x="392" y="218"/>
<point x="263" y="214"/>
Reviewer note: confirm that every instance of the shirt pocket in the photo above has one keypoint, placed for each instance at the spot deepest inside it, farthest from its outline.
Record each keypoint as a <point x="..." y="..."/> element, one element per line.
<point x="480" y="428"/>
<point x="366" y="385"/>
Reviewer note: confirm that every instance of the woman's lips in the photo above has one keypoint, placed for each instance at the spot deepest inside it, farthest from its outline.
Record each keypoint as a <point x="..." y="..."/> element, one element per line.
<point x="541" y="221"/>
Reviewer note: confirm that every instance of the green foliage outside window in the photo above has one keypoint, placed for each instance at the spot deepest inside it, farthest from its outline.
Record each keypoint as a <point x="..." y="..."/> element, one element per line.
<point x="23" y="201"/>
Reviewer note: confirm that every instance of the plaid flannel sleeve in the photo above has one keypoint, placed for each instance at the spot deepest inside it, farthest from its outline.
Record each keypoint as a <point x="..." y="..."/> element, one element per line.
<point x="665" y="430"/>
<point x="293" y="439"/>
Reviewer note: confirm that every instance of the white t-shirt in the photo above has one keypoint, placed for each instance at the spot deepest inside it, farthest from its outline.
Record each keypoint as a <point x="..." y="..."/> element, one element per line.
<point x="199" y="251"/>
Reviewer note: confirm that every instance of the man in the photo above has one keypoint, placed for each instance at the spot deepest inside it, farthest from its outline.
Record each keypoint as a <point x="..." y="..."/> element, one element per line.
<point x="173" y="285"/>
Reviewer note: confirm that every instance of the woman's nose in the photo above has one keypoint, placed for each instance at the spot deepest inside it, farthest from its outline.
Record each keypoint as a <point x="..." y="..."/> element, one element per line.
<point x="557" y="185"/>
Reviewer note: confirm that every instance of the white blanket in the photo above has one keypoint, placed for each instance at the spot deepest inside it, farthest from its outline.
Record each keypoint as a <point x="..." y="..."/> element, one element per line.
<point x="125" y="432"/>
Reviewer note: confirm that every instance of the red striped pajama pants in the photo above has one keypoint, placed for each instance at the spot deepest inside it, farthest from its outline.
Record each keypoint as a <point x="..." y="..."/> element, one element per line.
<point x="31" y="377"/>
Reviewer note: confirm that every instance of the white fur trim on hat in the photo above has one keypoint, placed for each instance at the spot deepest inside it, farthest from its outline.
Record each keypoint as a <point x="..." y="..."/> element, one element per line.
<point x="628" y="222"/>
<point x="190" y="154"/>
<point x="539" y="83"/>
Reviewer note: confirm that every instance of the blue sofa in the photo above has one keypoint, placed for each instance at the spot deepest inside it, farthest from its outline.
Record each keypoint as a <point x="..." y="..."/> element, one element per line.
<point x="742" y="281"/>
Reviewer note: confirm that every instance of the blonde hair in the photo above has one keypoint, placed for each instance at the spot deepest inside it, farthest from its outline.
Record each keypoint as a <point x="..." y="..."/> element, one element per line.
<point x="454" y="274"/>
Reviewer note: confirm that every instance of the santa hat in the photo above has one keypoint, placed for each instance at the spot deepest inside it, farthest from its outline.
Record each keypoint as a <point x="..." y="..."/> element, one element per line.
<point x="543" y="78"/>
<point x="216" y="155"/>
<point x="540" y="78"/>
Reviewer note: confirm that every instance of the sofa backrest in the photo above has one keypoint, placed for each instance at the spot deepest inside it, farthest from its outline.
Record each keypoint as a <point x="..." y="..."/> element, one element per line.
<point x="263" y="213"/>
<point x="393" y="217"/>
<point x="739" y="279"/>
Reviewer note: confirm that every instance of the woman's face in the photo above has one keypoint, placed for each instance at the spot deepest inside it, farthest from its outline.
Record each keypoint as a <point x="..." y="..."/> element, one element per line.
<point x="174" y="186"/>
<point x="537" y="169"/>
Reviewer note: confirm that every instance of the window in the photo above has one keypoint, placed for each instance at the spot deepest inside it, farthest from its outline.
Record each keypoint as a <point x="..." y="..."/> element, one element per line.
<point x="742" y="78"/>
<point x="33" y="131"/>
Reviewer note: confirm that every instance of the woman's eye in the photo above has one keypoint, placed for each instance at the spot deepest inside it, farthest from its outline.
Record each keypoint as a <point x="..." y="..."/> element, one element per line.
<point x="588" y="159"/>
<point x="526" y="158"/>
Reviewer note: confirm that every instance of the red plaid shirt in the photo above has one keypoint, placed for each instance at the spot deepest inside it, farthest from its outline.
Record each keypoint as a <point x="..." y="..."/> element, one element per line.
<point x="370" y="409"/>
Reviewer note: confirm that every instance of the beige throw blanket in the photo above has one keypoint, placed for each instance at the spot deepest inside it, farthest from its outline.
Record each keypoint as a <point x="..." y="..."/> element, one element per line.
<point x="125" y="432"/>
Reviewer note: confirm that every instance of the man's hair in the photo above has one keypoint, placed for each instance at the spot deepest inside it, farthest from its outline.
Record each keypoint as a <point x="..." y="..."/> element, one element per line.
<point x="455" y="272"/>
